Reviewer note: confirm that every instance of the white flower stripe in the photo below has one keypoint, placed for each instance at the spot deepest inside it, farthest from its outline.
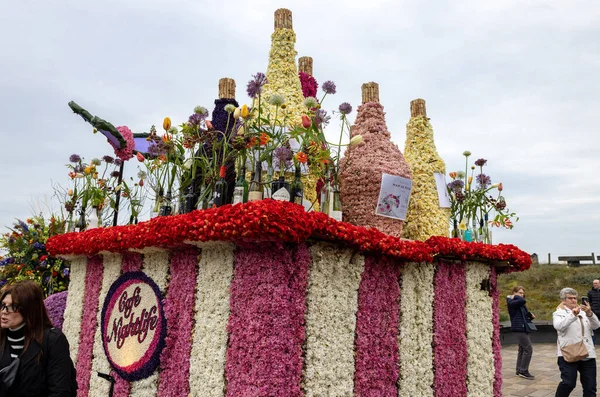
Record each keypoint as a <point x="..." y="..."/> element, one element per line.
<point x="209" y="340"/>
<point x="332" y="302"/>
<point x="480" y="361"/>
<point x="74" y="306"/>
<point x="416" y="330"/>
<point x="112" y="270"/>
<point x="156" y="266"/>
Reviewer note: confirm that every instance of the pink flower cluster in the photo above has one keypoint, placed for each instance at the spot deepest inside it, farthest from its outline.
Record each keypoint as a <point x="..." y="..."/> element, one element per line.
<point x="266" y="324"/>
<point x="309" y="85"/>
<point x="450" y="330"/>
<point x="496" y="347"/>
<point x="55" y="306"/>
<point x="89" y="323"/>
<point x="362" y="166"/>
<point x="179" y="311"/>
<point x="377" y="328"/>
<point x="127" y="152"/>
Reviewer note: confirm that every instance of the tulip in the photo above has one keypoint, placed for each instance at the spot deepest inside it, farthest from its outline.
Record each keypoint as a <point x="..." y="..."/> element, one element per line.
<point x="237" y="113"/>
<point x="209" y="125"/>
<point x="453" y="175"/>
<point x="187" y="164"/>
<point x="356" y="139"/>
<point x="306" y="121"/>
<point x="500" y="187"/>
<point x="166" y="124"/>
<point x="141" y="183"/>
<point x="87" y="170"/>
<point x="245" y="112"/>
<point x="140" y="157"/>
<point x="70" y="192"/>
<point x="79" y="175"/>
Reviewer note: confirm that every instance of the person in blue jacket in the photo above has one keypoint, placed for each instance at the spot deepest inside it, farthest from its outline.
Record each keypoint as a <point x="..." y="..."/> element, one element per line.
<point x="519" y="317"/>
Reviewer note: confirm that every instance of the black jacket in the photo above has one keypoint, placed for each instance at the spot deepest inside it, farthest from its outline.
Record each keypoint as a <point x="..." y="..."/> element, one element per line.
<point x="594" y="297"/>
<point x="518" y="316"/>
<point x="53" y="376"/>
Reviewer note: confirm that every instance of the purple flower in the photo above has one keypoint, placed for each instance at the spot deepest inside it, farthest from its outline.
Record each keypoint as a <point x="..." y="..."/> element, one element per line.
<point x="66" y="272"/>
<point x="118" y="162"/>
<point x="39" y="246"/>
<point x="321" y="117"/>
<point x="108" y="159"/>
<point x="24" y="226"/>
<point x="483" y="180"/>
<point x="456" y="185"/>
<point x="74" y="158"/>
<point x="480" y="162"/>
<point x="283" y="157"/>
<point x="255" y="86"/>
<point x="329" y="87"/>
<point x="345" y="108"/>
<point x="195" y="119"/>
<point x="114" y="174"/>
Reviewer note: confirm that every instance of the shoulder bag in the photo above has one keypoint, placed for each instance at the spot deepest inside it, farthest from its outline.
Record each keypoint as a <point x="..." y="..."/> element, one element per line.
<point x="576" y="351"/>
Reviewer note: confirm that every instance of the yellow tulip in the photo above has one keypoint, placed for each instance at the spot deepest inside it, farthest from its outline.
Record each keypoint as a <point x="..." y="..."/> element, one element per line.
<point x="462" y="226"/>
<point x="87" y="170"/>
<point x="236" y="113"/>
<point x="70" y="192"/>
<point x="245" y="112"/>
<point x="166" y="124"/>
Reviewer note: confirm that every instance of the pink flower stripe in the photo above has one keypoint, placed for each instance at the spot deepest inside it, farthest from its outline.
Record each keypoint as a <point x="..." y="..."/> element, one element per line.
<point x="132" y="262"/>
<point x="266" y="325"/>
<point x="377" y="329"/>
<point x="496" y="347"/>
<point x="450" y="330"/>
<point x="93" y="277"/>
<point x="179" y="312"/>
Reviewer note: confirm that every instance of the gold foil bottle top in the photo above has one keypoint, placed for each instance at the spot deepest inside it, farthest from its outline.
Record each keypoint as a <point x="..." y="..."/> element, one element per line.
<point x="305" y="64"/>
<point x="283" y="19"/>
<point x="370" y="92"/>
<point x="226" y="88"/>
<point x="417" y="108"/>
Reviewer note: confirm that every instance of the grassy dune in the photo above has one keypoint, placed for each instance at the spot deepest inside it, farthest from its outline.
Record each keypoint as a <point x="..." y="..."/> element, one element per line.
<point x="542" y="284"/>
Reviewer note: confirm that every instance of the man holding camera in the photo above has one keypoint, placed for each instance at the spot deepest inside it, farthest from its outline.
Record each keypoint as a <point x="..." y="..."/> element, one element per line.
<point x="594" y="299"/>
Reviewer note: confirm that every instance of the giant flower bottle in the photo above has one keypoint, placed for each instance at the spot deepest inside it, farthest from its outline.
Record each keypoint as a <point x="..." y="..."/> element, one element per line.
<point x="363" y="164"/>
<point x="424" y="218"/>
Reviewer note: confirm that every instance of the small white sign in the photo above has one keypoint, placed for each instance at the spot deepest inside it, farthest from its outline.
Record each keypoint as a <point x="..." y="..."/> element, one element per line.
<point x="393" y="196"/>
<point x="440" y="181"/>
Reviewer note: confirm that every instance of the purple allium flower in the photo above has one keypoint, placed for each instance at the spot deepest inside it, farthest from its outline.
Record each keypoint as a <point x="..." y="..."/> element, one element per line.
<point x="329" y="87"/>
<point x="118" y="162"/>
<point x="456" y="185"/>
<point x="114" y="174"/>
<point x="74" y="158"/>
<point x="483" y="180"/>
<point x="65" y="272"/>
<point x="195" y="119"/>
<point x="321" y="117"/>
<point x="255" y="86"/>
<point x="345" y="108"/>
<point x="108" y="159"/>
<point x="283" y="157"/>
<point x="480" y="162"/>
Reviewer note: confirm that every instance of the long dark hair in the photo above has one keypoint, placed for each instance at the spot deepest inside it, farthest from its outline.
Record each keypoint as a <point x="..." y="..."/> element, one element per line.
<point x="28" y="298"/>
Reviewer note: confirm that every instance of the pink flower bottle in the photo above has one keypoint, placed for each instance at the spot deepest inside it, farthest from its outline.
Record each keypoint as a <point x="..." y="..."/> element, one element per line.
<point x="363" y="164"/>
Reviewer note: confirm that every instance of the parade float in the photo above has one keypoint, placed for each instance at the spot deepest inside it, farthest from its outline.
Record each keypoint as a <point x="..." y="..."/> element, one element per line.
<point x="265" y="296"/>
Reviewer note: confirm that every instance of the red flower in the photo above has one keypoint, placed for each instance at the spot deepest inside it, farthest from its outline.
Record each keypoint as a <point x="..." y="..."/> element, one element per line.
<point x="306" y="121"/>
<point x="140" y="157"/>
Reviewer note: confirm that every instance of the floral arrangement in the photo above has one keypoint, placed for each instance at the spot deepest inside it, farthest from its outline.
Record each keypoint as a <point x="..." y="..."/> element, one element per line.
<point x="362" y="167"/>
<point x="275" y="221"/>
<point x="475" y="203"/>
<point x="425" y="217"/>
<point x="72" y="319"/>
<point x="55" y="306"/>
<point x="26" y="257"/>
<point x="496" y="346"/>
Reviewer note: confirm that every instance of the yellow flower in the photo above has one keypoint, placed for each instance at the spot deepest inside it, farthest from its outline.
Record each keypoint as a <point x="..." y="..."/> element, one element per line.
<point x="236" y="113"/>
<point x="245" y="112"/>
<point x="166" y="124"/>
<point x="87" y="170"/>
<point x="462" y="226"/>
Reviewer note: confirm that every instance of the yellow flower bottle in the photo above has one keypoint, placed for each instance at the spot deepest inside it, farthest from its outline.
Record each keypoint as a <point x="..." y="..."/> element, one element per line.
<point x="424" y="218"/>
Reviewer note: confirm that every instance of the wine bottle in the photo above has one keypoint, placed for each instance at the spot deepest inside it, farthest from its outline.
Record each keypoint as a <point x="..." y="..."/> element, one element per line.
<point x="220" y="193"/>
<point x="240" y="192"/>
<point x="326" y="193"/>
<point x="280" y="189"/>
<point x="455" y="231"/>
<point x="476" y="237"/>
<point x="297" y="194"/>
<point x="256" y="189"/>
<point x="336" y="204"/>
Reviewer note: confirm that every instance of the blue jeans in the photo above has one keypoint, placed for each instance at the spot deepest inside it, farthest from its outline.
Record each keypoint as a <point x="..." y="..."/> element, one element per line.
<point x="568" y="374"/>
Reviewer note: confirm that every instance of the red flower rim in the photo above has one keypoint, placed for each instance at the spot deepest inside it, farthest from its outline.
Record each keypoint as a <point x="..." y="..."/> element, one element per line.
<point x="270" y="220"/>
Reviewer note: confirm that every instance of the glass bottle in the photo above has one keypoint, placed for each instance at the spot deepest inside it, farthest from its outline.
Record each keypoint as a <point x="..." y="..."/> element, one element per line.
<point x="468" y="234"/>
<point x="220" y="194"/>
<point x="487" y="233"/>
<point x="476" y="237"/>
<point x="455" y="231"/>
<point x="336" y="204"/>
<point x="256" y="190"/>
<point x="297" y="193"/>
<point x="166" y="207"/>
<point x="280" y="189"/>
<point x="240" y="192"/>
<point x="326" y="193"/>
<point x="81" y="224"/>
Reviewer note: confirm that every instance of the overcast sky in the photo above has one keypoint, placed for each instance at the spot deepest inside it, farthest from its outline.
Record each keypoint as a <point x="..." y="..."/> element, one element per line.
<point x="515" y="82"/>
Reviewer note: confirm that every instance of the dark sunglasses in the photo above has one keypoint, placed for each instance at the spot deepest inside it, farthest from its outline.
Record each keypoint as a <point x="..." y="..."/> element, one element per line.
<point x="8" y="308"/>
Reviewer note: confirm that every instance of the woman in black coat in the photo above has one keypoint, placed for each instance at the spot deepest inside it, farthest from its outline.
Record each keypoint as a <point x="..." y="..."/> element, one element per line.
<point x="34" y="357"/>
<point x="519" y="317"/>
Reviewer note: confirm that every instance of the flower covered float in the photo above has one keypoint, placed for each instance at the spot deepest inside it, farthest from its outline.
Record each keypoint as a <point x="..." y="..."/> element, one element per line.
<point x="265" y="299"/>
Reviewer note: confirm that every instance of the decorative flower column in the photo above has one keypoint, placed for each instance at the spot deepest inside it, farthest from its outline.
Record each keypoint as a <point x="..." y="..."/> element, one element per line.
<point x="282" y="75"/>
<point x="363" y="164"/>
<point x="424" y="218"/>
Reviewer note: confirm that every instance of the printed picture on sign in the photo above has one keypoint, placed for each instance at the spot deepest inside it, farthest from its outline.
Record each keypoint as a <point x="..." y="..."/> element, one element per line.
<point x="393" y="196"/>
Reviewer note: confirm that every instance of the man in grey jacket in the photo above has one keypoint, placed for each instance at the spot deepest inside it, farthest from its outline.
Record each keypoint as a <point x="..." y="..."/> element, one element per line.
<point x="571" y="320"/>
